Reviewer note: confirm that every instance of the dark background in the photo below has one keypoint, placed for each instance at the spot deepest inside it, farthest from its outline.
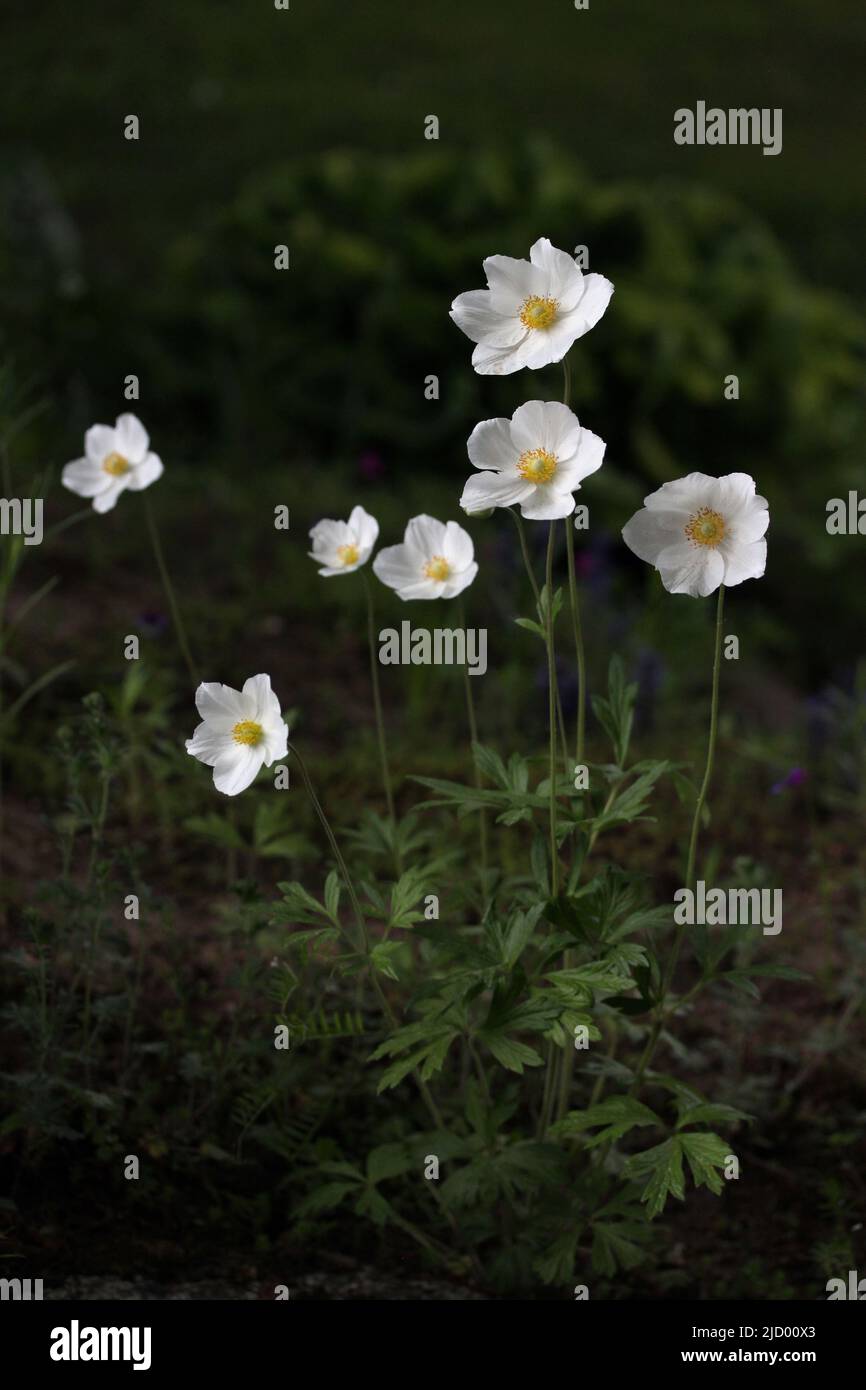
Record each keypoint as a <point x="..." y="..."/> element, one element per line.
<point x="155" y="257"/>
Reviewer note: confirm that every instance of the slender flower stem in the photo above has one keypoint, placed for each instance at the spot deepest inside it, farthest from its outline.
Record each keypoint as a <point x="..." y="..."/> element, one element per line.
<point x="536" y="593"/>
<point x="551" y="714"/>
<point x="670" y="968"/>
<point x="574" y="600"/>
<point x="473" y="736"/>
<point x="362" y="924"/>
<point x="578" y="643"/>
<point x="380" y="719"/>
<point x="338" y="854"/>
<point x="180" y="630"/>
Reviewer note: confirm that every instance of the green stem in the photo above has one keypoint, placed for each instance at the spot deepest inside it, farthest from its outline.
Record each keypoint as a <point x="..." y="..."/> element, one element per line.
<point x="473" y="736"/>
<point x="670" y="968"/>
<point x="180" y="630"/>
<point x="551" y="714"/>
<point x="536" y="593"/>
<point x="550" y="1086"/>
<point x="337" y="852"/>
<point x="573" y="597"/>
<point x="380" y="719"/>
<point x="362" y="925"/>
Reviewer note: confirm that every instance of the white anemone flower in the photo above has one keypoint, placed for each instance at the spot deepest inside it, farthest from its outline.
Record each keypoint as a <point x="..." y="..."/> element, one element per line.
<point x="700" y="532"/>
<point x="536" y="460"/>
<point x="341" y="547"/>
<point x="531" y="312"/>
<point x="114" y="460"/>
<point x="434" y="561"/>
<point x="241" y="730"/>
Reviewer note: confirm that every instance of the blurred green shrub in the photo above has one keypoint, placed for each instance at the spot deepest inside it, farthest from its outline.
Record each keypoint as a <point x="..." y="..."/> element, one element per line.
<point x="252" y="366"/>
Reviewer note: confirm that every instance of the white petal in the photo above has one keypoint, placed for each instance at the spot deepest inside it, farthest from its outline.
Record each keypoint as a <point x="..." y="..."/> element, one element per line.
<point x="485" y="490"/>
<point x="99" y="442"/>
<point x="220" y="705"/>
<point x="545" y="425"/>
<point x="458" y="550"/>
<point x="328" y="534"/>
<point x="734" y="493"/>
<point x="590" y="307"/>
<point x="751" y="524"/>
<point x="422" y="588"/>
<point x="105" y="501"/>
<point x="145" y="473"/>
<point x="588" y="459"/>
<point x="85" y="477"/>
<point x="650" y="532"/>
<point x="365" y="527"/>
<point x="396" y="566"/>
<point x="691" y="569"/>
<point x="563" y="276"/>
<point x="259" y="700"/>
<point x="490" y="444"/>
<point x="236" y="768"/>
<point x="687" y="494"/>
<point x="546" y="345"/>
<point x="546" y="504"/>
<point x="132" y="439"/>
<point x="276" y="743"/>
<point x="208" y="743"/>
<point x="475" y="315"/>
<point x="490" y="360"/>
<point x="511" y="281"/>
<point x="425" y="535"/>
<point x="456" y="583"/>
<point x="744" y="561"/>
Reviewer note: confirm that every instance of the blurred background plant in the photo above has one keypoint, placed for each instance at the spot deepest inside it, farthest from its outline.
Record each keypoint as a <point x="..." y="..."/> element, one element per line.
<point x="307" y="388"/>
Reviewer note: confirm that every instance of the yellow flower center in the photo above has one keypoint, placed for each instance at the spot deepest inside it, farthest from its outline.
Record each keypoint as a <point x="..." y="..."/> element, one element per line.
<point x="706" y="527"/>
<point x="538" y="311"/>
<point x="249" y="732"/>
<point x="537" y="465"/>
<point x="348" y="554"/>
<point x="116" y="465"/>
<point x="437" y="568"/>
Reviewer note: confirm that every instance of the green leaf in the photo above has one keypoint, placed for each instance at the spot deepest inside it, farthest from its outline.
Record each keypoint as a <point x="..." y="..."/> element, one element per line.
<point x="616" y="1116"/>
<point x="509" y="1052"/>
<point x="616" y="712"/>
<point x="325" y="1198"/>
<point x="215" y="828"/>
<point x="616" y="1245"/>
<point x="706" y="1154"/>
<point x="371" y="1203"/>
<point x="381" y="956"/>
<point x="389" y="1161"/>
<point x="407" y="891"/>
<point x="556" y="1265"/>
<point x="332" y="895"/>
<point x="490" y="764"/>
<point x="298" y="905"/>
<point x="662" y="1168"/>
<point x="709" y="1113"/>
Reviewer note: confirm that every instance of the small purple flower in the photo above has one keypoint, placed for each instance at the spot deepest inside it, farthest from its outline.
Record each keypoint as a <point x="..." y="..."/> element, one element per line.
<point x="153" y="623"/>
<point x="794" y="778"/>
<point x="371" y="466"/>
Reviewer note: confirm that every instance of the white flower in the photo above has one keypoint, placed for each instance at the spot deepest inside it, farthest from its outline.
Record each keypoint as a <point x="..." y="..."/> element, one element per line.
<point x="343" y="546"/>
<point x="700" y="532"/>
<point x="114" y="459"/>
<point x="240" y="731"/>
<point x="434" y="561"/>
<point x="531" y="312"/>
<point x="537" y="459"/>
